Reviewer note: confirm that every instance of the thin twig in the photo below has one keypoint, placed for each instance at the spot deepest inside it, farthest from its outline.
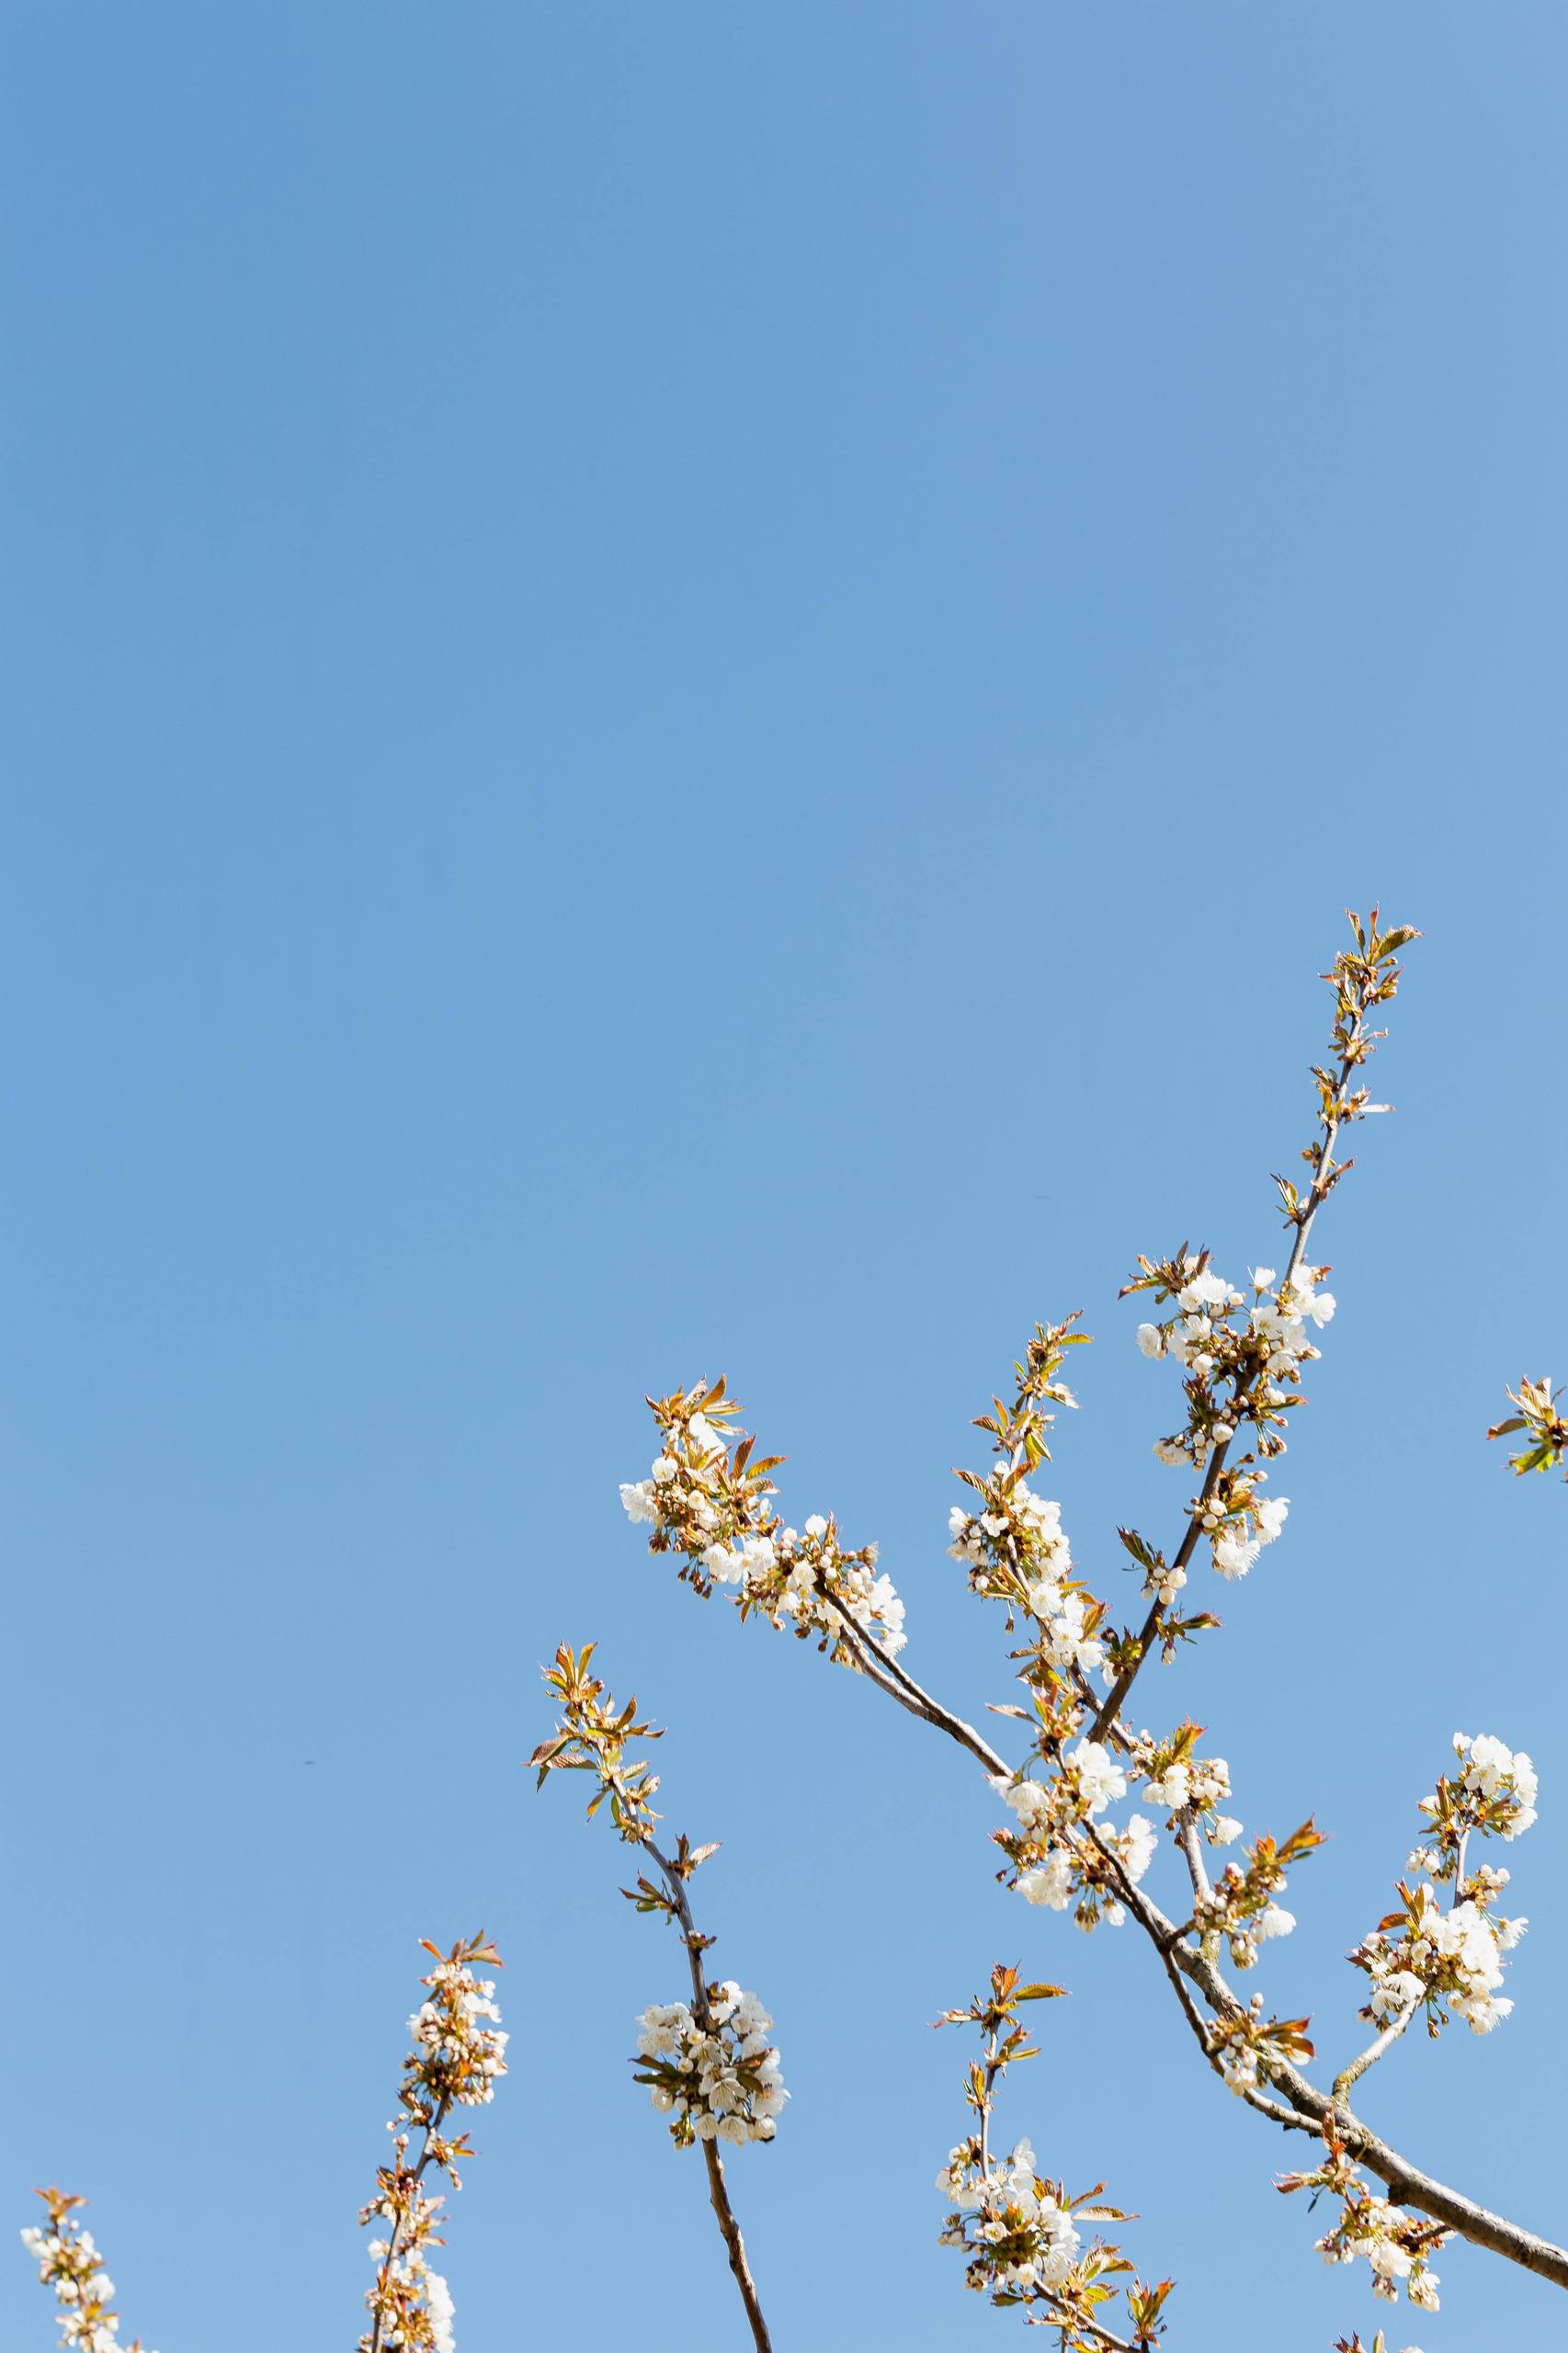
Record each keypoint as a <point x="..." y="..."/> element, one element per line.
<point x="718" y="2188"/>
<point x="393" y="2243"/>
<point x="1374" y="2050"/>
<point x="1166" y="1946"/>
<point x="1317" y="1194"/>
<point x="899" y="1685"/>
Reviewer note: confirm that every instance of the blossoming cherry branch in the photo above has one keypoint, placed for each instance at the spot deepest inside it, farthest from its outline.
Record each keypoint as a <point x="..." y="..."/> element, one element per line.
<point x="1242" y="1354"/>
<point x="707" y="2063"/>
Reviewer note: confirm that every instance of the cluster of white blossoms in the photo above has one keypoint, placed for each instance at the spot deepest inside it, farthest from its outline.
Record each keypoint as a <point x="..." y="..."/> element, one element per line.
<point x="719" y="2083"/>
<point x="707" y="1500"/>
<point x="68" y="2263"/>
<point x="1239" y="1522"/>
<point x="1186" y="1783"/>
<point x="1213" y="1341"/>
<point x="1016" y="1551"/>
<point x="1018" y="2236"/>
<point x="1421" y="1956"/>
<point x="1394" y="2242"/>
<point x="1014" y="1531"/>
<point x="415" y="2302"/>
<point x="1397" y="2244"/>
<point x="1493" y="1792"/>
<point x="1438" y="1959"/>
<point x="1053" y="1863"/>
<point x="1243" y="1363"/>
<point x="458" y="2047"/>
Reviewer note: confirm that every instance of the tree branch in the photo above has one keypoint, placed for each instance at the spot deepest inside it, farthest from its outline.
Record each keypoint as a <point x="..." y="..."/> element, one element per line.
<point x="1405" y="2182"/>
<point x="889" y="1677"/>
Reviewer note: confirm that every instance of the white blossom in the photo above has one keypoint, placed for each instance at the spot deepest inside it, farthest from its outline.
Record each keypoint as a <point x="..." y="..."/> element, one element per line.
<point x="1100" y="1777"/>
<point x="720" y="2083"/>
<point x="1021" y="2237"/>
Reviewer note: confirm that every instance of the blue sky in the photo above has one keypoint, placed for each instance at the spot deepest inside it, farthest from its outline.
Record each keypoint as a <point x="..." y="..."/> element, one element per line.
<point x="697" y="688"/>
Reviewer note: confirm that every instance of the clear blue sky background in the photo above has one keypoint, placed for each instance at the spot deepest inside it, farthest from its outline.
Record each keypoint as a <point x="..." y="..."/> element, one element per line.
<point x="697" y="687"/>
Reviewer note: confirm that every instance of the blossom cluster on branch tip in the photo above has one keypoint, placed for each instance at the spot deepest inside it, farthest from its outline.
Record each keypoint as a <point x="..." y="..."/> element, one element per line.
<point x="68" y="2262"/>
<point x="1422" y="1957"/>
<point x="707" y="1498"/>
<point x="457" y="2057"/>
<point x="721" y="2081"/>
<point x="1396" y="2243"/>
<point x="1493" y="1792"/>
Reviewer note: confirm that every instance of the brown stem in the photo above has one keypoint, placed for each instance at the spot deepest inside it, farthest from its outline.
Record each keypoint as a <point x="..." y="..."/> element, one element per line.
<point x="1374" y="2050"/>
<point x="889" y="1677"/>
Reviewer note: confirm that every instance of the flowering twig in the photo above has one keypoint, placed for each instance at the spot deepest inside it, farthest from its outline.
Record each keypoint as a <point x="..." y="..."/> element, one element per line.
<point x="710" y="2063"/>
<point x="1019" y="2231"/>
<point x="1361" y="980"/>
<point x="456" y="2061"/>
<point x="68" y="2261"/>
